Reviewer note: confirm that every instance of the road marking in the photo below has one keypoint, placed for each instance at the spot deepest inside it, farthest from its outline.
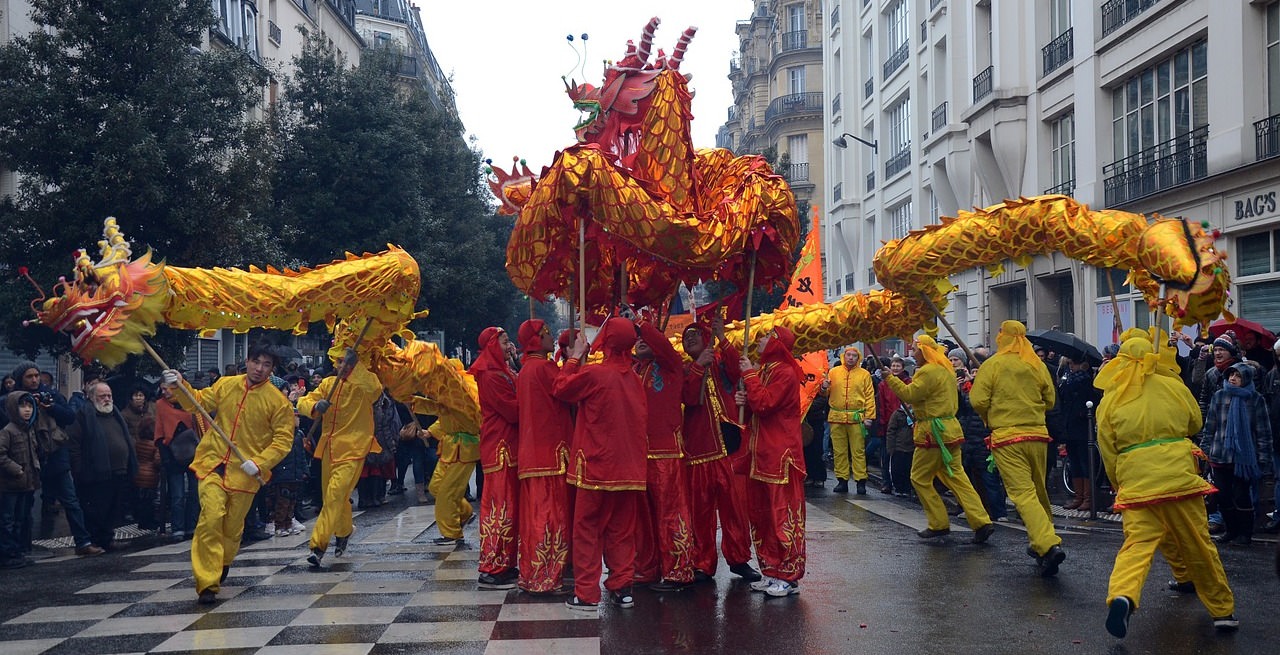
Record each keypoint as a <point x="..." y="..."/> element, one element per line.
<point x="911" y="517"/>
<point x="817" y="520"/>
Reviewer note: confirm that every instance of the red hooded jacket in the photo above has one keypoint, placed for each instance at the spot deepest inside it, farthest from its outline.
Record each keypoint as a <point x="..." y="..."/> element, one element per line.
<point x="499" y="412"/>
<point x="663" y="378"/>
<point x="773" y="396"/>
<point x="546" y="422"/>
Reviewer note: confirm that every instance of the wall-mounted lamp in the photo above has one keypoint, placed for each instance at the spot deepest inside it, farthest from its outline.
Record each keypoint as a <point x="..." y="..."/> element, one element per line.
<point x="840" y="142"/>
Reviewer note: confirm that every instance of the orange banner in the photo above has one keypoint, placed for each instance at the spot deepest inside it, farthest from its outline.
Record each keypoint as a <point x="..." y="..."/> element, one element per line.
<point x="806" y="289"/>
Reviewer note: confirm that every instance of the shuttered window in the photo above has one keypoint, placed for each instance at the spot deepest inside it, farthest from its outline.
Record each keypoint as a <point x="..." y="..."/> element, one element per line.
<point x="1258" y="276"/>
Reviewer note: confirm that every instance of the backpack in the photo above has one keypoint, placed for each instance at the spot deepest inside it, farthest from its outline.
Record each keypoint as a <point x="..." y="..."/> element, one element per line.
<point x="386" y="430"/>
<point x="183" y="446"/>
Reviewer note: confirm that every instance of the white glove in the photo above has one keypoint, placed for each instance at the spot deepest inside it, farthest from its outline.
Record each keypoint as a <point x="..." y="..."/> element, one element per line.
<point x="249" y="467"/>
<point x="169" y="377"/>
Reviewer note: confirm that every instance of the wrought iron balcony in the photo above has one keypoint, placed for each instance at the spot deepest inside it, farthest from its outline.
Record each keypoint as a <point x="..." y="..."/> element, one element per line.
<point x="1065" y="188"/>
<point x="1267" y="133"/>
<point x="795" y="103"/>
<point x="1163" y="166"/>
<point x="1115" y="13"/>
<point x="1059" y="51"/>
<point x="898" y="162"/>
<point x="897" y="59"/>
<point x="795" y="172"/>
<point x="273" y="32"/>
<point x="940" y="116"/>
<point x="983" y="84"/>
<point x="798" y="40"/>
<point x="868" y="87"/>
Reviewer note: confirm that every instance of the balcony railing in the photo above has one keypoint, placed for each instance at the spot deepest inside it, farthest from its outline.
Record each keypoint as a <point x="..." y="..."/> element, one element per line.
<point x="1065" y="188"/>
<point x="837" y="192"/>
<point x="1163" y="166"/>
<point x="899" y="162"/>
<point x="1059" y="51"/>
<point x="940" y="116"/>
<point x="871" y="181"/>
<point x="273" y="32"/>
<point x="897" y="59"/>
<point x="408" y="66"/>
<point x="982" y="84"/>
<point x="795" y="172"/>
<point x="795" y="103"/>
<point x="868" y="87"/>
<point x="835" y="104"/>
<point x="1115" y="13"/>
<point x="1267" y="133"/>
<point x="798" y="40"/>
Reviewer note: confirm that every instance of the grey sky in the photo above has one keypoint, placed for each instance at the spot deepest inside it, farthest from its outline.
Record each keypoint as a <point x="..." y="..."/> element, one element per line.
<point x="506" y="58"/>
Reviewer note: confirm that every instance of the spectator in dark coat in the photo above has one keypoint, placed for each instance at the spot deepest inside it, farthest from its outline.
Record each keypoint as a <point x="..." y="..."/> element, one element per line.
<point x="104" y="463"/>
<point x="19" y="478"/>
<point x="974" y="452"/>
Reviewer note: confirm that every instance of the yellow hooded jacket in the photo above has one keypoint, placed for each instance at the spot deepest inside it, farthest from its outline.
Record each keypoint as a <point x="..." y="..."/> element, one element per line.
<point x="850" y="391"/>
<point x="259" y="421"/>
<point x="1016" y="413"/>
<point x="347" y="430"/>
<point x="932" y="395"/>
<point x="459" y="438"/>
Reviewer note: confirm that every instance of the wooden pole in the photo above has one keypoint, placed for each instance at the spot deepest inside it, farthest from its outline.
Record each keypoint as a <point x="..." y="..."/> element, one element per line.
<point x="1160" y="300"/>
<point x="1116" y="324"/>
<point x="956" y="335"/>
<point x="342" y="374"/>
<point x="746" y="330"/>
<point x="200" y="408"/>
<point x="582" y="273"/>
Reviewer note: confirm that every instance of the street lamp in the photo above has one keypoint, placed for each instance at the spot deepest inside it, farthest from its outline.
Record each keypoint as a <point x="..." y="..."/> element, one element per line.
<point x="840" y="142"/>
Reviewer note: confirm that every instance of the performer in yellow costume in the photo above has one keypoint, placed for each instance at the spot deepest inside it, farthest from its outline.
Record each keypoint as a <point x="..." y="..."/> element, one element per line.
<point x="853" y="409"/>
<point x="345" y="401"/>
<point x="259" y="421"/>
<point x="459" y="450"/>
<point x="937" y="436"/>
<point x="1144" y="418"/>
<point x="1011" y="393"/>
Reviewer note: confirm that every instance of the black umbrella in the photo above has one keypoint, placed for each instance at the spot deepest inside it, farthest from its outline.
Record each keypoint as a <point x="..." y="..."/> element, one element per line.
<point x="1066" y="344"/>
<point x="286" y="353"/>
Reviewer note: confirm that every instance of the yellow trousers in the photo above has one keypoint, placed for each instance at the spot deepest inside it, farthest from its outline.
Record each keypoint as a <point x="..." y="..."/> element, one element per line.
<point x="1022" y="467"/>
<point x="217" y="537"/>
<point x="449" y="486"/>
<point x="850" y="448"/>
<point x="925" y="466"/>
<point x="1180" y="530"/>
<point x="337" y="481"/>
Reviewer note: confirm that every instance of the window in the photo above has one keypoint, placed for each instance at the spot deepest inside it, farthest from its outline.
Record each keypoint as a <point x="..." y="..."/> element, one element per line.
<point x="1273" y="57"/>
<point x="795" y="80"/>
<point x="900" y="126"/>
<point x="896" y="26"/>
<point x="1059" y="17"/>
<point x="1162" y="102"/>
<point x="1258" y="275"/>
<point x="1064" y="151"/>
<point x="795" y="18"/>
<point x="935" y="212"/>
<point x="900" y="220"/>
<point x="798" y="148"/>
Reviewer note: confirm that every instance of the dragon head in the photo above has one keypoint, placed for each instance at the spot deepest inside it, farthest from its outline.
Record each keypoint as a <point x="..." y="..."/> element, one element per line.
<point x="512" y="189"/>
<point x="615" y="109"/>
<point x="110" y="305"/>
<point x="1193" y="269"/>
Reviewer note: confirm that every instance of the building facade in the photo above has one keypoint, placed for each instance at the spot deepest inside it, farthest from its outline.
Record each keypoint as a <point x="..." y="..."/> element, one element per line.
<point x="778" y="97"/>
<point x="1157" y="107"/>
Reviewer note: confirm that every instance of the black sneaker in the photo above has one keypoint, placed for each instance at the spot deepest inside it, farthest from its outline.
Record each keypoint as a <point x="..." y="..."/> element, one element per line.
<point x="1227" y="623"/>
<point x="207" y="597"/>
<point x="1118" y="612"/>
<point x="622" y="598"/>
<point x="581" y="605"/>
<point x="745" y="571"/>
<point x="340" y="545"/>
<point x="314" y="558"/>
<point x="842" y="486"/>
<point x="505" y="580"/>
<point x="862" y="488"/>
<point x="1051" y="560"/>
<point x="669" y="585"/>
<point x="702" y="576"/>
<point x="982" y="534"/>
<point x="1187" y="587"/>
<point x="930" y="533"/>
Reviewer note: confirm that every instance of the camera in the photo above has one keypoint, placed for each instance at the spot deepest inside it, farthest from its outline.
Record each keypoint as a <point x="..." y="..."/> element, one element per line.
<point x="43" y="397"/>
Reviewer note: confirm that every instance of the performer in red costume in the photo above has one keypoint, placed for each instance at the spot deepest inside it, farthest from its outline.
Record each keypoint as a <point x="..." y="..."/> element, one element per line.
<point x="498" y="443"/>
<point x="665" y="536"/>
<point x="546" y="424"/>
<point x="606" y="463"/>
<point x="775" y="484"/>
<point x="713" y="492"/>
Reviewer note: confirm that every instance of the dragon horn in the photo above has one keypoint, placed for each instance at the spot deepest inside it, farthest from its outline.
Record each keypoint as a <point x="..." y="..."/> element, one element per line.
<point x="646" y="39"/>
<point x="681" y="46"/>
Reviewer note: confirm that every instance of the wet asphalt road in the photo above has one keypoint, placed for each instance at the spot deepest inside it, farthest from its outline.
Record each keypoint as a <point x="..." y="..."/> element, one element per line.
<point x="871" y="587"/>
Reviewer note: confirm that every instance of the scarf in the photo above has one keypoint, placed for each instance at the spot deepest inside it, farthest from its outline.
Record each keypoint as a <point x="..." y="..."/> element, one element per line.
<point x="1239" y="441"/>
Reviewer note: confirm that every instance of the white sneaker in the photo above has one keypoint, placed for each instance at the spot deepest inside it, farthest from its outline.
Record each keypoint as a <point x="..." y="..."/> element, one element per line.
<point x="283" y="533"/>
<point x="763" y="583"/>
<point x="297" y="527"/>
<point x="781" y="588"/>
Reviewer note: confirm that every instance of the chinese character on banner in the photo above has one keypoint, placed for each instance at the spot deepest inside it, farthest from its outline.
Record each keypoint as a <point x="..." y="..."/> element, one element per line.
<point x="806" y="289"/>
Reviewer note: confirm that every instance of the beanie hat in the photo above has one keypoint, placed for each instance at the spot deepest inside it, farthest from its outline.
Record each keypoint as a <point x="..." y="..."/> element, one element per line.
<point x="21" y="369"/>
<point x="957" y="353"/>
<point x="1226" y="343"/>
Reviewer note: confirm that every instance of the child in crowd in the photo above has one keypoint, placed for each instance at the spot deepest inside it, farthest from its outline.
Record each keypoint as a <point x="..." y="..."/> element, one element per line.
<point x="19" y="477"/>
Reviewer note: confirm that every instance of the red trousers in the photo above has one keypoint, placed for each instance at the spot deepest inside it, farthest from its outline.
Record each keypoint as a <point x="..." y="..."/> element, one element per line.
<point x="498" y="524"/>
<point x="777" y="522"/>
<point x="714" y="489"/>
<point x="604" y="526"/>
<point x="546" y="515"/>
<point x="664" y="541"/>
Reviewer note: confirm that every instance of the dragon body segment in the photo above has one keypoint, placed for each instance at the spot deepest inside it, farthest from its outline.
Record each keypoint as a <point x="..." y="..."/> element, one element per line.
<point x="110" y="306"/>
